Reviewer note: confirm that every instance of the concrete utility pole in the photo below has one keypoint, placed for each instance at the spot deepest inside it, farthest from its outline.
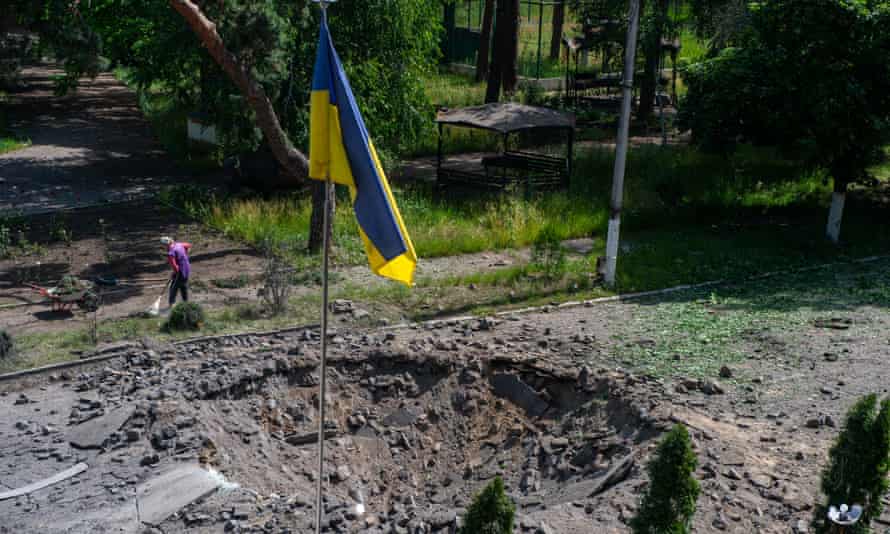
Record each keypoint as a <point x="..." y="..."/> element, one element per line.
<point x="627" y="90"/>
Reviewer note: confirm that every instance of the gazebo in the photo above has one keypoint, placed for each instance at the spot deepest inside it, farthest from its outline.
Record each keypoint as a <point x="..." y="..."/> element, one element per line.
<point x="508" y="168"/>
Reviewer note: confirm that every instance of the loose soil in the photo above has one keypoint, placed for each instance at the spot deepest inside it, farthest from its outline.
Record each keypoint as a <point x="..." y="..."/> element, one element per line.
<point x="128" y="249"/>
<point x="565" y="404"/>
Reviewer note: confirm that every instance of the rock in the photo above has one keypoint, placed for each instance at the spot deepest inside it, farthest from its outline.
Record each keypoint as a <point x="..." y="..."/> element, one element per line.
<point x="96" y="432"/>
<point x="712" y="387"/>
<point x="342" y="473"/>
<point x="725" y="372"/>
<point x="801" y="527"/>
<point x="339" y="306"/>
<point x="510" y="387"/>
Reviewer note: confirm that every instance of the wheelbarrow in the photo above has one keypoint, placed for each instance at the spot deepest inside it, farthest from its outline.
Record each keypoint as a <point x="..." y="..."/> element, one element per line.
<point x="64" y="302"/>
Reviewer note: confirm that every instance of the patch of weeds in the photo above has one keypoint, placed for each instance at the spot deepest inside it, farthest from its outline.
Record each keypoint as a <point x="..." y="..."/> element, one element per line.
<point x="235" y="282"/>
<point x="59" y="231"/>
<point x="185" y="316"/>
<point x="548" y="254"/>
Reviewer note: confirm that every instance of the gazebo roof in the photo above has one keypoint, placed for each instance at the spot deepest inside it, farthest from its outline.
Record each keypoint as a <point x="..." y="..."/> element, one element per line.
<point x="506" y="117"/>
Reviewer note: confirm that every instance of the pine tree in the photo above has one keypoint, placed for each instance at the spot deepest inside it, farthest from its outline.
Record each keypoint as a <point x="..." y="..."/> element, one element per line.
<point x="491" y="512"/>
<point x="669" y="503"/>
<point x="858" y="464"/>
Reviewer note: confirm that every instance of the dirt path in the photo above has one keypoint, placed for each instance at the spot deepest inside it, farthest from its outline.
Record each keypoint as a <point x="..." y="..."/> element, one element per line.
<point x="92" y="146"/>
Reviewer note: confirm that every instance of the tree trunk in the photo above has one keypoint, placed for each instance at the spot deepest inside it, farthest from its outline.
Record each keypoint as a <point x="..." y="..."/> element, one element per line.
<point x="652" y="48"/>
<point x="836" y="213"/>
<point x="559" y="16"/>
<point x="502" y="70"/>
<point x="316" y="222"/>
<point x="511" y="54"/>
<point x="293" y="162"/>
<point x="485" y="41"/>
<point x="495" y="67"/>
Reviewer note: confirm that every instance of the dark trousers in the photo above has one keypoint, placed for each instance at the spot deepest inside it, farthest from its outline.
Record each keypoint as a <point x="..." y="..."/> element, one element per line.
<point x="179" y="284"/>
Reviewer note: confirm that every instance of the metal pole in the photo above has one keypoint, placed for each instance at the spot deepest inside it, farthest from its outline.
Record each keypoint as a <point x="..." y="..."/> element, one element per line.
<point x="627" y="84"/>
<point x="323" y="367"/>
<point x="540" y="36"/>
<point x="319" y="504"/>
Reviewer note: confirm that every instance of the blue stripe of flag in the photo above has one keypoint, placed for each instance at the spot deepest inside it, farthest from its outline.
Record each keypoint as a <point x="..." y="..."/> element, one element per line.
<point x="372" y="208"/>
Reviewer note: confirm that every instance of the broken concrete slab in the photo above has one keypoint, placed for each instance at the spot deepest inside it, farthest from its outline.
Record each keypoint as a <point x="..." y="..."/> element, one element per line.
<point x="519" y="393"/>
<point x="46" y="482"/>
<point x="166" y="494"/>
<point x="94" y="433"/>
<point x="401" y="417"/>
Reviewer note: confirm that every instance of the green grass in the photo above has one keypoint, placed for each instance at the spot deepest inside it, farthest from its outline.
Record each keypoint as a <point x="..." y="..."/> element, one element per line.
<point x="696" y="333"/>
<point x="8" y="140"/>
<point x="677" y="182"/>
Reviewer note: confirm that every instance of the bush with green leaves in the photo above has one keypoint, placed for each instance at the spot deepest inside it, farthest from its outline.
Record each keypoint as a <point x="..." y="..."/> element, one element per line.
<point x="669" y="502"/>
<point x="809" y="76"/>
<point x="858" y="464"/>
<point x="7" y="347"/>
<point x="185" y="316"/>
<point x="491" y="512"/>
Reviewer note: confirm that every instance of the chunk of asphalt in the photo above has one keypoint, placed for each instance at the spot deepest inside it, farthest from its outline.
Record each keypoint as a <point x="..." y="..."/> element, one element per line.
<point x="399" y="418"/>
<point x="170" y="492"/>
<point x="519" y="393"/>
<point x="46" y="482"/>
<point x="94" y="433"/>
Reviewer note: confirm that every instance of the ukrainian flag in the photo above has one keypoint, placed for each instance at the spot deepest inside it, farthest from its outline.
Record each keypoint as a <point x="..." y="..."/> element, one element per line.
<point x="340" y="147"/>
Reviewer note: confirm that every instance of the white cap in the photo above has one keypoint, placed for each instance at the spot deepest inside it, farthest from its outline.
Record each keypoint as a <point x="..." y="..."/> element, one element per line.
<point x="166" y="240"/>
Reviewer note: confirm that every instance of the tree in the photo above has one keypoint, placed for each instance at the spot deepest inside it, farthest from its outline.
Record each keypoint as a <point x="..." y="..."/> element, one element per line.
<point x="485" y="41"/>
<point x="669" y="502"/>
<point x="502" y="72"/>
<point x="810" y="76"/>
<point x="491" y="511"/>
<point x="249" y="63"/>
<point x="858" y="464"/>
<point x="654" y="27"/>
<point x="558" y="21"/>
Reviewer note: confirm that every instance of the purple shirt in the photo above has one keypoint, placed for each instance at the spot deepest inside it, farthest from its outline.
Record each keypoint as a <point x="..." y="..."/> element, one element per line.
<point x="180" y="256"/>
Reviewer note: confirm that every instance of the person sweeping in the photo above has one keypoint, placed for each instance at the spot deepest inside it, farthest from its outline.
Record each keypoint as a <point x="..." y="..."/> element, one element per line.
<point x="178" y="258"/>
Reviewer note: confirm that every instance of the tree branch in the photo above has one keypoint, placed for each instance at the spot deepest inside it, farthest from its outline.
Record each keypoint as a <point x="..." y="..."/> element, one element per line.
<point x="292" y="160"/>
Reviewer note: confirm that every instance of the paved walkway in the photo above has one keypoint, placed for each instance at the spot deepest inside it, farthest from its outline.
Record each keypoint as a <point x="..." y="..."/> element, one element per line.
<point x="89" y="147"/>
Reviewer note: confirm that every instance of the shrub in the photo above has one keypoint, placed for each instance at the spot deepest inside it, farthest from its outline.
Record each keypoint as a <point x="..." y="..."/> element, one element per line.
<point x="669" y="502"/>
<point x="491" y="511"/>
<point x="7" y="347"/>
<point x="185" y="316"/>
<point x="858" y="463"/>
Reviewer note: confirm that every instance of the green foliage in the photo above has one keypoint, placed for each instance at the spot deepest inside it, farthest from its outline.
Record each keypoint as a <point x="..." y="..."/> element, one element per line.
<point x="276" y="40"/>
<point x="185" y="316"/>
<point x="234" y="282"/>
<point x="858" y="464"/>
<point x="810" y="76"/>
<point x="548" y="253"/>
<point x="491" y="512"/>
<point x="669" y="503"/>
<point x="7" y="347"/>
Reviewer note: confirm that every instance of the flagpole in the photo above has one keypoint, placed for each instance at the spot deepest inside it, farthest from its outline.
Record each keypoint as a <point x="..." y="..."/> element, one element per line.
<point x="322" y="382"/>
<point x="319" y="504"/>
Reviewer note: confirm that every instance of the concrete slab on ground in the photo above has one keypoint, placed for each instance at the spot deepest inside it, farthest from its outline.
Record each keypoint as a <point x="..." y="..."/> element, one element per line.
<point x="166" y="494"/>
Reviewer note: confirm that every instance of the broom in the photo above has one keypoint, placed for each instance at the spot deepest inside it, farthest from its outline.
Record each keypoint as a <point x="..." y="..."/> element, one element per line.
<point x="155" y="308"/>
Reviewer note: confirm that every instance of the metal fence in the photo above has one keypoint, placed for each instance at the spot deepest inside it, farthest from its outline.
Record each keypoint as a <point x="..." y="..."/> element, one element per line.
<point x="463" y="24"/>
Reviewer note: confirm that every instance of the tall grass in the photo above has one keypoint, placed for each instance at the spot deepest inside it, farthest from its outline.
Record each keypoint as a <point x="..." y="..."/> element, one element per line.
<point x="668" y="183"/>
